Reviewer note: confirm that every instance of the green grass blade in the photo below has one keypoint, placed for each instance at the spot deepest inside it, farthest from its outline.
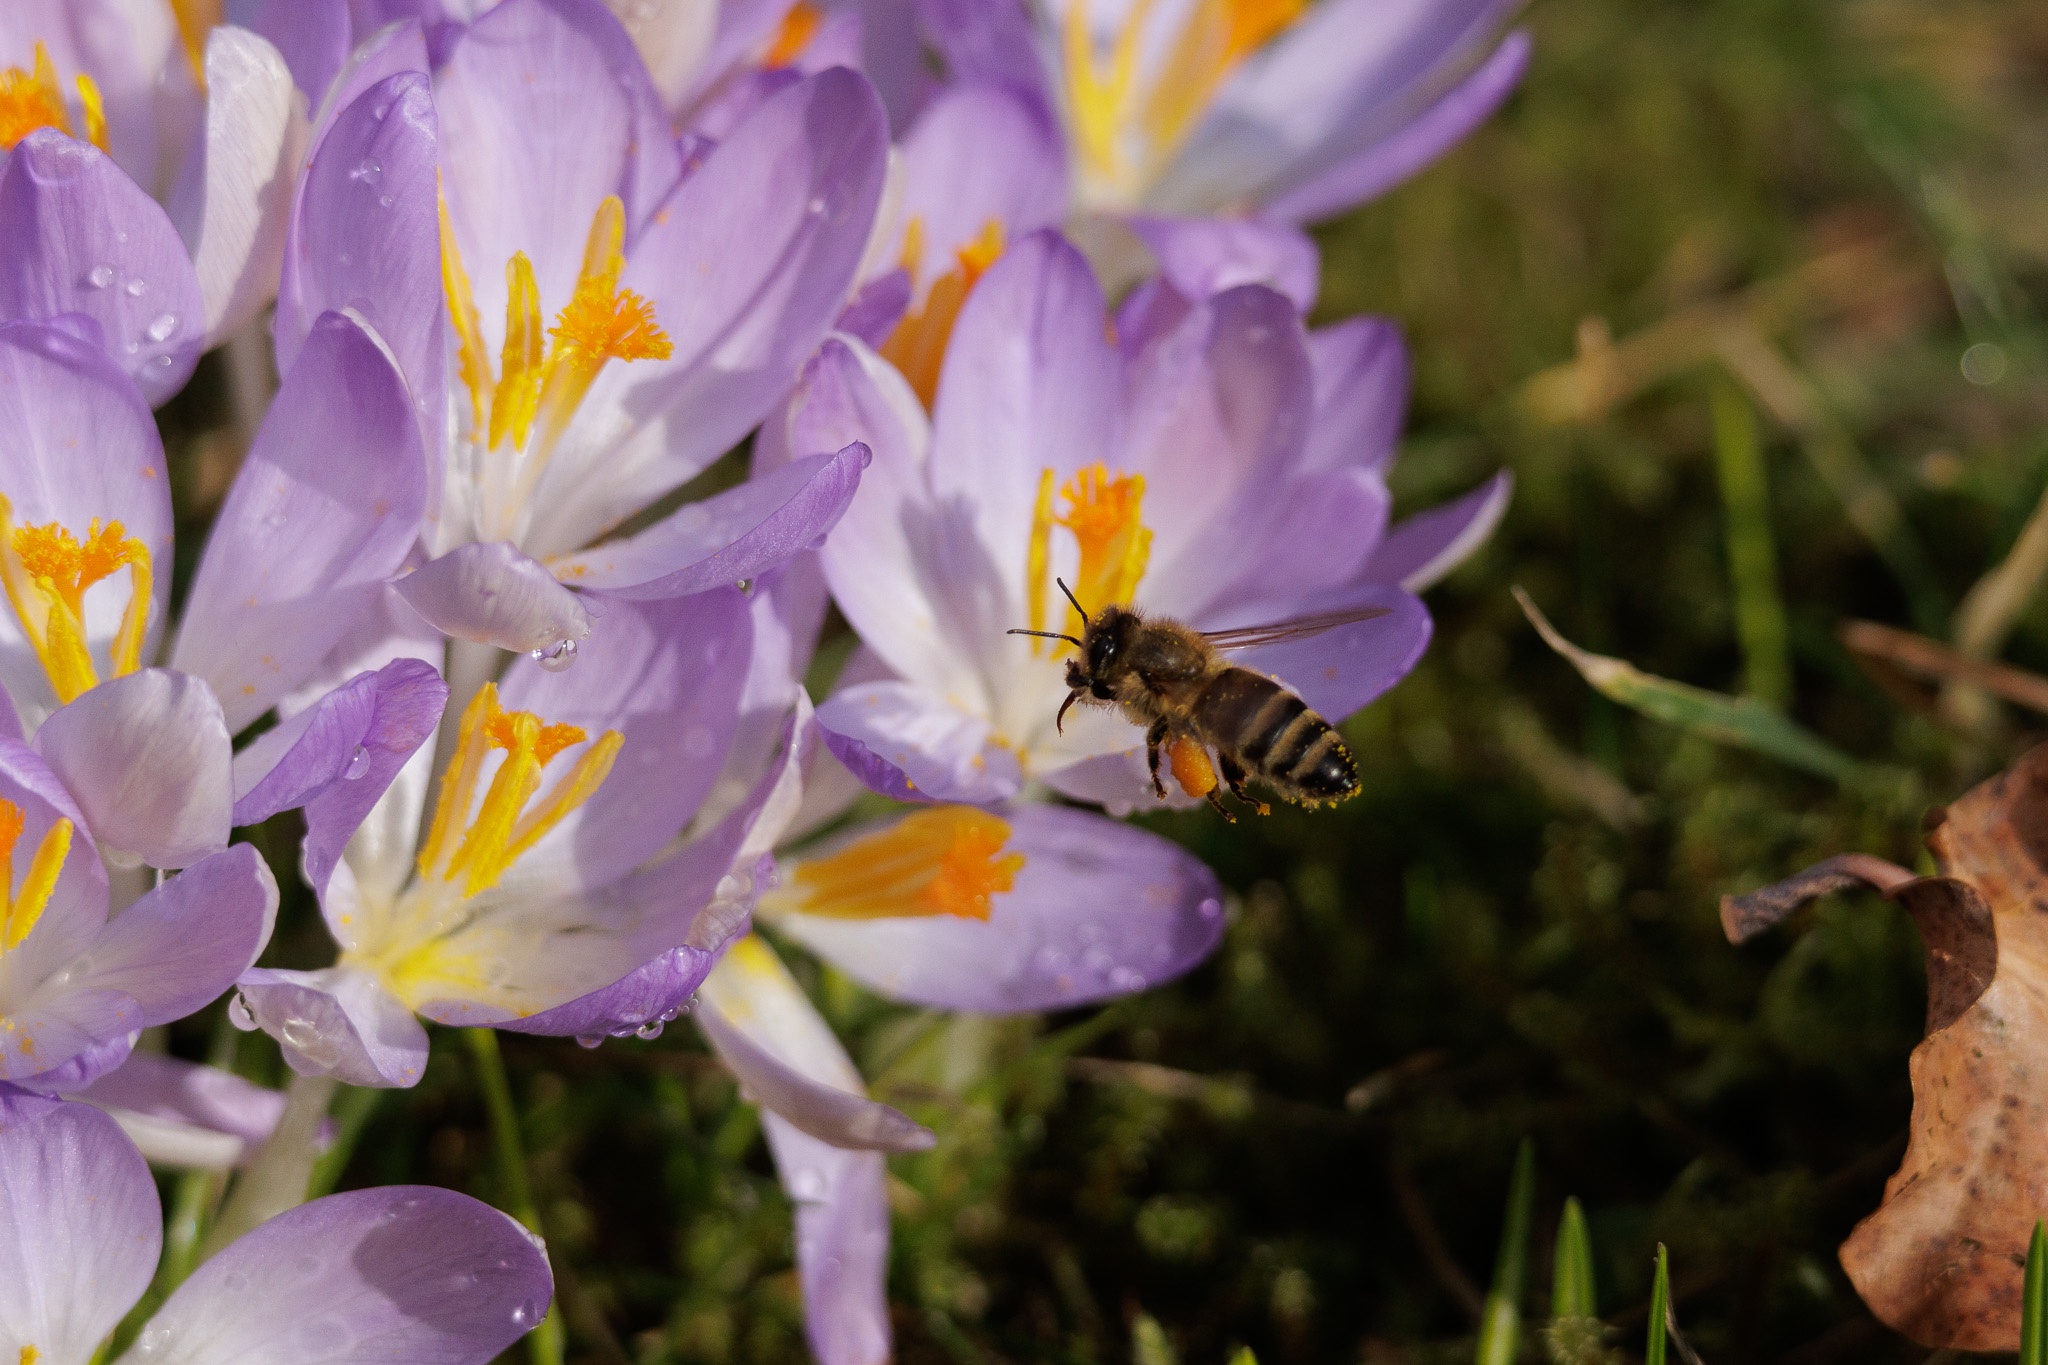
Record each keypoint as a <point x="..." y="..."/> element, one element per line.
<point x="1149" y="1345"/>
<point x="1572" y="1292"/>
<point x="1500" y="1328"/>
<point x="1660" y="1306"/>
<point x="2034" y="1301"/>
<point x="1742" y="722"/>
<point x="1752" y="555"/>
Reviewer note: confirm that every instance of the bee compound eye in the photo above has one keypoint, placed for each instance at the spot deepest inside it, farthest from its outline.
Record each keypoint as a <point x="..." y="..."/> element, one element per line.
<point x="1102" y="692"/>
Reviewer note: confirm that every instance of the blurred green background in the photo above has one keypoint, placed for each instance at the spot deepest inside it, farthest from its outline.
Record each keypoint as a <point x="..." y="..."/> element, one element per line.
<point x="1806" y="210"/>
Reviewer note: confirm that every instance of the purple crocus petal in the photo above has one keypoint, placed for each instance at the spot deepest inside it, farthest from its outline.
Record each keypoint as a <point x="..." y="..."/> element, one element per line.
<point x="396" y="44"/>
<point x="644" y="998"/>
<point x="545" y="111"/>
<point x="1148" y="314"/>
<point x="235" y="192"/>
<point x="1029" y="381"/>
<point x="877" y="308"/>
<point x="1204" y="256"/>
<point x="313" y="37"/>
<point x="175" y="950"/>
<point x="667" y="675"/>
<point x="365" y="235"/>
<point x="822" y="1111"/>
<point x="980" y="154"/>
<point x="1419" y="551"/>
<point x="1379" y="168"/>
<point x="748" y="263"/>
<point x="86" y="1067"/>
<point x="80" y="1227"/>
<point x="402" y="1272"/>
<point x="491" y="594"/>
<point x="183" y="1114"/>
<point x="766" y="1030"/>
<point x="82" y="445"/>
<point x="674" y="37"/>
<point x="78" y="236"/>
<point x="842" y="1243"/>
<point x="338" y="1022"/>
<point x="342" y="755"/>
<point x="907" y="742"/>
<point x="733" y="537"/>
<point x="1331" y="523"/>
<point x="1219" y="412"/>
<point x="148" y="758"/>
<point x="1340" y="670"/>
<point x="1361" y="394"/>
<point x="297" y="553"/>
<point x="1100" y="909"/>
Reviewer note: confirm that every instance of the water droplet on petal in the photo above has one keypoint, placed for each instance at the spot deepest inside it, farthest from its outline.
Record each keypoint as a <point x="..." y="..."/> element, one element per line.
<point x="239" y="1013"/>
<point x="163" y="326"/>
<point x="135" y="289"/>
<point x="557" y="657"/>
<point x="358" y="764"/>
<point x="649" y="1030"/>
<point x="746" y="587"/>
<point x="1209" y="909"/>
<point x="368" y="170"/>
<point x="807" y="1182"/>
<point x="589" y="1040"/>
<point x="385" y="201"/>
<point x="99" y="277"/>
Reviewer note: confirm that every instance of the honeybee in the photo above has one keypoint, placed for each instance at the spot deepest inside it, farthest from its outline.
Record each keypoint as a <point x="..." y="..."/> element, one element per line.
<point x="1173" y="680"/>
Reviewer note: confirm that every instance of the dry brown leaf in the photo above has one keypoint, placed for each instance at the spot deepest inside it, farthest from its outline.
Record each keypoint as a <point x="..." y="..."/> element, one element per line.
<point x="1942" y="1258"/>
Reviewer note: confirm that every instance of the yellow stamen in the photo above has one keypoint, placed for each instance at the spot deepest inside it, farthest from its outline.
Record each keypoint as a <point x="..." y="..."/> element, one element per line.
<point x="46" y="571"/>
<point x="793" y="35"/>
<point x="1103" y="513"/>
<point x="21" y="909"/>
<point x="1126" y="136"/>
<point x="30" y="1355"/>
<point x="917" y="346"/>
<point x="518" y="394"/>
<point x="95" y="111"/>
<point x="473" y="361"/>
<point x="30" y="100"/>
<point x="913" y="245"/>
<point x="939" y="861"/>
<point x="502" y="828"/>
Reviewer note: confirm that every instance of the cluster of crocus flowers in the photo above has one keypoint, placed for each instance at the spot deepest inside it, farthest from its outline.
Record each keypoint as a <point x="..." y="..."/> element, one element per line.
<point x="537" y="266"/>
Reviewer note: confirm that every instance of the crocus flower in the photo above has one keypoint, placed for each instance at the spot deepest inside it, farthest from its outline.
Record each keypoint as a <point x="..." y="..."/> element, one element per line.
<point x="589" y="317"/>
<point x="205" y="120"/>
<point x="403" y="1273"/>
<point x="1199" y="475"/>
<point x="550" y="893"/>
<point x="184" y="1115"/>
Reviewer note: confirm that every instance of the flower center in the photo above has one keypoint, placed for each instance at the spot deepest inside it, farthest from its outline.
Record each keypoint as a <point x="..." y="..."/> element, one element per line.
<point x="479" y="848"/>
<point x="538" y="383"/>
<point x="1129" y="123"/>
<point x="917" y="346"/>
<point x="1104" y="513"/>
<point x="799" y="25"/>
<point x="33" y="99"/>
<point x="21" y="909"/>
<point x="945" y="860"/>
<point x="46" y="571"/>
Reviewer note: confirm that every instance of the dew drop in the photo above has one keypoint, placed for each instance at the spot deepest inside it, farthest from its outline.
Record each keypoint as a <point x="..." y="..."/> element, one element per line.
<point x="1124" y="979"/>
<point x="368" y="170"/>
<point x="358" y="764"/>
<point x="162" y="327"/>
<point x="817" y="205"/>
<point x="807" y="1182"/>
<point x="385" y="201"/>
<point x="746" y="587"/>
<point x="1209" y="909"/>
<point x="239" y="1013"/>
<point x="589" y="1040"/>
<point x="135" y="289"/>
<point x="555" y="658"/>
<point x="526" y="1314"/>
<point x="99" y="277"/>
<point x="649" y="1030"/>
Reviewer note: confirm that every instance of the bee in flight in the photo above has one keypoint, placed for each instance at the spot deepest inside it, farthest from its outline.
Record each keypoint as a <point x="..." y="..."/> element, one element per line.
<point x="1175" y="681"/>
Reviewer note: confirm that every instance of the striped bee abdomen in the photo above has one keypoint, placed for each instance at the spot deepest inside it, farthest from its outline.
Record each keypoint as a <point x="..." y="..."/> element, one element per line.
<point x="1276" y="737"/>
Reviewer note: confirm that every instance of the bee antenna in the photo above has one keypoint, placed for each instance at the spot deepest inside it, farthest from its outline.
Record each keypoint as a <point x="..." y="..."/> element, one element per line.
<point x="1046" y="635"/>
<point x="1071" y="598"/>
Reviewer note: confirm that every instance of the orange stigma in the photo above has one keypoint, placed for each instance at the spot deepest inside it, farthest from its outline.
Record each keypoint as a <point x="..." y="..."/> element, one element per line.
<point x="917" y="346"/>
<point x="799" y="25"/>
<point x="1104" y="512"/>
<point x="34" y="99"/>
<point x="46" y="571"/>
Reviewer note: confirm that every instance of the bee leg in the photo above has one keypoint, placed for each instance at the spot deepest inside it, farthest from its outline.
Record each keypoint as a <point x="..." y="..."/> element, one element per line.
<point x="1155" y="737"/>
<point x="1215" y="795"/>
<point x="1235" y="776"/>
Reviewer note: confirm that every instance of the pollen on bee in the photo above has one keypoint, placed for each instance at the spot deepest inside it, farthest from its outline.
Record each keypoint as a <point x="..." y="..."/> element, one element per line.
<point x="945" y="860"/>
<point x="1189" y="760"/>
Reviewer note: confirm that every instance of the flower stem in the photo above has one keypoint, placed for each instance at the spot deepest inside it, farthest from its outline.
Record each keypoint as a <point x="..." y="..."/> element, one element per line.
<point x="515" y="1190"/>
<point x="275" y="1180"/>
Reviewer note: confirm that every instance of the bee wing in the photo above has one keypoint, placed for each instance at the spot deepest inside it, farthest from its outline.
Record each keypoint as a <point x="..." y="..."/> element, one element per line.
<point x="1245" y="637"/>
